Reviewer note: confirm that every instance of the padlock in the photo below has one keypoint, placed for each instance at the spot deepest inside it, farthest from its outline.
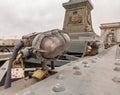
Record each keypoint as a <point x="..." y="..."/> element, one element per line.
<point x="17" y="70"/>
<point x="39" y="74"/>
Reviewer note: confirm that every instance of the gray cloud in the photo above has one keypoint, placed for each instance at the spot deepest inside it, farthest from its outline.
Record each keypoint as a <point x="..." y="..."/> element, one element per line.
<point x="19" y="17"/>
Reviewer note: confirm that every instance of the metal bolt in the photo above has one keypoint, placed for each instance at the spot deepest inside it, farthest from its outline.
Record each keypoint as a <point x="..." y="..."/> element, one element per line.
<point x="76" y="68"/>
<point x="58" y="88"/>
<point x="116" y="79"/>
<point x="84" y="62"/>
<point x="117" y="68"/>
<point x="117" y="63"/>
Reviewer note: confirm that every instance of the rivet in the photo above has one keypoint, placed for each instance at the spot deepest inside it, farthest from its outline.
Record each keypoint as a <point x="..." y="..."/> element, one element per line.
<point x="77" y="73"/>
<point x="117" y="63"/>
<point x="116" y="79"/>
<point x="117" y="68"/>
<point x="76" y="68"/>
<point x="84" y="62"/>
<point x="58" y="88"/>
<point x="61" y="76"/>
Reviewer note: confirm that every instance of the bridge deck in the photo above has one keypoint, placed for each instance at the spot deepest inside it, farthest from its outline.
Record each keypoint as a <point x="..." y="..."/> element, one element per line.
<point x="87" y="76"/>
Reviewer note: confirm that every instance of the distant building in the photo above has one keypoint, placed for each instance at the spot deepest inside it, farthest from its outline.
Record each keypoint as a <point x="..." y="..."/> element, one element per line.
<point x="110" y="33"/>
<point x="7" y="44"/>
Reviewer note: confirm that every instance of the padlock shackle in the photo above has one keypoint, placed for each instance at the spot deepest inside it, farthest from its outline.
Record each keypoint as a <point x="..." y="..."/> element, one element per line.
<point x="18" y="61"/>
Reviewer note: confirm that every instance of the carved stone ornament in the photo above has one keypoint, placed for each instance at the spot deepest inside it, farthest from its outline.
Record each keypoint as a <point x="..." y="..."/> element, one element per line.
<point x="75" y="18"/>
<point x="88" y="18"/>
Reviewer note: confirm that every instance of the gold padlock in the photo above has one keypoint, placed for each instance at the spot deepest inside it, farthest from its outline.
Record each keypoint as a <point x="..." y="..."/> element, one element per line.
<point x="39" y="74"/>
<point x="89" y="49"/>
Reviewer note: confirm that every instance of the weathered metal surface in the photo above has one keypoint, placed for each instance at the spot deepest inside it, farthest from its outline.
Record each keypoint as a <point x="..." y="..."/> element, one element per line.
<point x="3" y="69"/>
<point x="5" y="56"/>
<point x="98" y="79"/>
<point x="54" y="43"/>
<point x="46" y="45"/>
<point x="17" y="86"/>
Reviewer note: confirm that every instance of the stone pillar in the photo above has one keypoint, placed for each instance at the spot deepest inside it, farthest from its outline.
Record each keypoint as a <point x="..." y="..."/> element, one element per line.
<point x="110" y="33"/>
<point x="78" y="16"/>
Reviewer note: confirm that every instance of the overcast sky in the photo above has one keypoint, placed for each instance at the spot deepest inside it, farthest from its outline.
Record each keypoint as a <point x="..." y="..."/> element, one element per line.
<point x="19" y="17"/>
